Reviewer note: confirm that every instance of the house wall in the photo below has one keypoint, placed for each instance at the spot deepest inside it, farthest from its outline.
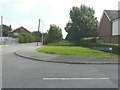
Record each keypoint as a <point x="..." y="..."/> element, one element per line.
<point x="18" y="31"/>
<point x="105" y="29"/>
<point x="115" y="31"/>
<point x="115" y="39"/>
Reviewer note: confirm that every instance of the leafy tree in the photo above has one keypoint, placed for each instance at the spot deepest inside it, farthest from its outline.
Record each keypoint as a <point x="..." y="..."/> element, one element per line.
<point x="6" y="30"/>
<point x="37" y="35"/>
<point x="26" y="37"/>
<point x="83" y="24"/>
<point x="54" y="34"/>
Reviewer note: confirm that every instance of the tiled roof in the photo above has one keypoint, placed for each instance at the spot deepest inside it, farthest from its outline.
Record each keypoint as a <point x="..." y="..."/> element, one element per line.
<point x="19" y="29"/>
<point x="113" y="14"/>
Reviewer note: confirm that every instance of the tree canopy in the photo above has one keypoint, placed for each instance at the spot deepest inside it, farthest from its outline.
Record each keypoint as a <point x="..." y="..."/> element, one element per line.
<point x="83" y="24"/>
<point x="54" y="34"/>
<point x="6" y="30"/>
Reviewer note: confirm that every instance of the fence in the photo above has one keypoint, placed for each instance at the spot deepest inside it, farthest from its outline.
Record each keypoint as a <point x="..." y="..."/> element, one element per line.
<point x="9" y="40"/>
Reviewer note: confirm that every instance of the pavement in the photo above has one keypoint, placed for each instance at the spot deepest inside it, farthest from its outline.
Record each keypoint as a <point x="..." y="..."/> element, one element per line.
<point x="30" y="52"/>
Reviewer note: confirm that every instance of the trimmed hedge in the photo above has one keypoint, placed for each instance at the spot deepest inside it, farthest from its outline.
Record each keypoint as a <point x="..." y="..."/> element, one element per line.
<point x="90" y="43"/>
<point x="61" y="43"/>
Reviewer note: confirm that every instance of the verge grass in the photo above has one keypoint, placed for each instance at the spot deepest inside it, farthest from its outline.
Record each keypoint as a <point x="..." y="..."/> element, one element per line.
<point x="75" y="51"/>
<point x="3" y="45"/>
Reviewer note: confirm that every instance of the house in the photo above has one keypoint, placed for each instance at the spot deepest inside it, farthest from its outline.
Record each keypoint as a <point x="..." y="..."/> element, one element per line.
<point x="110" y="26"/>
<point x="19" y="30"/>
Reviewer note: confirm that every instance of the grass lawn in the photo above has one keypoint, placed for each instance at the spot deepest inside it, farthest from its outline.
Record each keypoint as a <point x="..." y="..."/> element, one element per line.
<point x="74" y="50"/>
<point x="3" y="44"/>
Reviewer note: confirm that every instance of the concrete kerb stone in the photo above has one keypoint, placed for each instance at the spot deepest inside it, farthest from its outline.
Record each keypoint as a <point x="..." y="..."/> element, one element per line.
<point x="66" y="62"/>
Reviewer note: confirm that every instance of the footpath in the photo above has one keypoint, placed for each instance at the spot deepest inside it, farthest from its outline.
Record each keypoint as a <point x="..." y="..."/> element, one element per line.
<point x="30" y="52"/>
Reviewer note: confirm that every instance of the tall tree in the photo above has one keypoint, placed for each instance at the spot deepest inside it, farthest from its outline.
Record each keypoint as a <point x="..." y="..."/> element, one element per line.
<point x="54" y="34"/>
<point x="83" y="24"/>
<point x="6" y="30"/>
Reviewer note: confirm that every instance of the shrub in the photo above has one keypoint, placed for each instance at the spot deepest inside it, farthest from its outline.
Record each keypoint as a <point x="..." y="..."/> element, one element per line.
<point x="61" y="43"/>
<point x="90" y="43"/>
<point x="25" y="38"/>
<point x="21" y="39"/>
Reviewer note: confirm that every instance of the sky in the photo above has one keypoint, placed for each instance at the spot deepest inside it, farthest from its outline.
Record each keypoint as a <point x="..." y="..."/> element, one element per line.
<point x="26" y="13"/>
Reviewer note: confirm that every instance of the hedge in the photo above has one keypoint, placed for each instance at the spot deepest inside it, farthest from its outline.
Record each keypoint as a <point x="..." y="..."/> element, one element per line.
<point x="91" y="43"/>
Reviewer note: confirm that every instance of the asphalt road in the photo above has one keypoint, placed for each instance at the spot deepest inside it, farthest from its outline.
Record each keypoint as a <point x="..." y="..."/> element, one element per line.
<point x="18" y="72"/>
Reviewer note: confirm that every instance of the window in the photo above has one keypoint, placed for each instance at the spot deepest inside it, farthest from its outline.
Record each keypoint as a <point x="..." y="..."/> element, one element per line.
<point x="16" y="33"/>
<point x="116" y="27"/>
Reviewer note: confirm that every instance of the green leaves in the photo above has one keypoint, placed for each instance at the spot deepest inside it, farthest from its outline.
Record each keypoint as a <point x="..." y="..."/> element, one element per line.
<point x="25" y="38"/>
<point x="83" y="23"/>
<point x="6" y="30"/>
<point x="54" y="34"/>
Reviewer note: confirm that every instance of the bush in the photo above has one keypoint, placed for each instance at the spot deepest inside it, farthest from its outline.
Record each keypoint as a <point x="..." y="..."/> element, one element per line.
<point x="61" y="43"/>
<point x="25" y="38"/>
<point x="21" y="39"/>
<point x="90" y="43"/>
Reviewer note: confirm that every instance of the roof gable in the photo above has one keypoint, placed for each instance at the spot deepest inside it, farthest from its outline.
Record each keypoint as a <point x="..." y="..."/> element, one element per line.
<point x="20" y="29"/>
<point x="112" y="14"/>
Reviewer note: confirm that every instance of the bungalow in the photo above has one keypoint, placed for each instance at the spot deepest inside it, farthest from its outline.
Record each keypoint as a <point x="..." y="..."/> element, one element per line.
<point x="110" y="26"/>
<point x="19" y="30"/>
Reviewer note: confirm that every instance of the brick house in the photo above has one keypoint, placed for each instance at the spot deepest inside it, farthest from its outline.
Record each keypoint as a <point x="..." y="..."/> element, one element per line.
<point x="110" y="26"/>
<point x="19" y="30"/>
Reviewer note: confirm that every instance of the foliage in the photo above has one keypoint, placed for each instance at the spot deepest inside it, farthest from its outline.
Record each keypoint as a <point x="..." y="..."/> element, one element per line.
<point x="88" y="39"/>
<point x="61" y="43"/>
<point x="37" y="35"/>
<point x="90" y="43"/>
<point x="25" y="38"/>
<point x="54" y="34"/>
<point x="6" y="30"/>
<point x="74" y="50"/>
<point x="83" y="24"/>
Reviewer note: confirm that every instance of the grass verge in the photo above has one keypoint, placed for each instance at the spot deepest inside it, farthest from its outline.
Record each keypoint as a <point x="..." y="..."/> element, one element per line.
<point x="75" y="50"/>
<point x="3" y="45"/>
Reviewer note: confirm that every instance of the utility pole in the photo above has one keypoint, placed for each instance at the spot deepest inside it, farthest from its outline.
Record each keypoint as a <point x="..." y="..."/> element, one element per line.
<point x="42" y="33"/>
<point x="1" y="28"/>
<point x="38" y="32"/>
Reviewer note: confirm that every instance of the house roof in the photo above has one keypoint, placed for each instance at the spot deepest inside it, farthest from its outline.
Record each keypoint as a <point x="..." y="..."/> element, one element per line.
<point x="20" y="29"/>
<point x="112" y="14"/>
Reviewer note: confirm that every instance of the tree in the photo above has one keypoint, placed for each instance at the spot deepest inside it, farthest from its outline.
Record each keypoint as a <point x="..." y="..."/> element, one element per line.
<point x="6" y="30"/>
<point x="54" y="34"/>
<point x="83" y="24"/>
<point x="37" y="35"/>
<point x="25" y="38"/>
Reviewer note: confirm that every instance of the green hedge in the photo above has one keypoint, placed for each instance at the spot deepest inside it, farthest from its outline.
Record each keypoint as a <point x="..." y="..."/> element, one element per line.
<point x="90" y="43"/>
<point x="61" y="43"/>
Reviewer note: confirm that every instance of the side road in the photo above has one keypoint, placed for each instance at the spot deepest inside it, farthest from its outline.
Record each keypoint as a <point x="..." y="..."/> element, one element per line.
<point x="31" y="53"/>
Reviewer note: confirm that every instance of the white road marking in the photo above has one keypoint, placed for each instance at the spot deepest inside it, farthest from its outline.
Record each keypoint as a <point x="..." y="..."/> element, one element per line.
<point x="75" y="78"/>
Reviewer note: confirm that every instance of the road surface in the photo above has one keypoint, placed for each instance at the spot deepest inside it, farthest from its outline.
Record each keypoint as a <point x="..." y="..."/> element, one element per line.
<point x="18" y="72"/>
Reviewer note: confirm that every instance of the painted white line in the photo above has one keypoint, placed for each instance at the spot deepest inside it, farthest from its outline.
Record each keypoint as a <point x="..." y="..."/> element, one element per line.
<point x="75" y="78"/>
